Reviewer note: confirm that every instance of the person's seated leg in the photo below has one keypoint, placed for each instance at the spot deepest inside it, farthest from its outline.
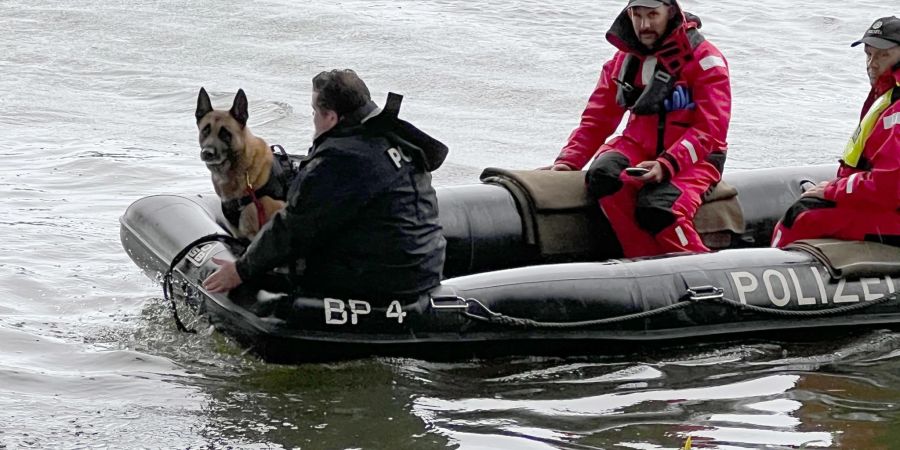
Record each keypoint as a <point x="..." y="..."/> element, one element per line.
<point x="814" y="218"/>
<point x="667" y="210"/>
<point x="807" y="218"/>
<point x="616" y="192"/>
<point x="604" y="177"/>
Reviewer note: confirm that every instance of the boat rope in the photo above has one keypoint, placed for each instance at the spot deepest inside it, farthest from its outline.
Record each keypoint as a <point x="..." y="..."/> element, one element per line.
<point x="168" y="287"/>
<point x="809" y="313"/>
<point x="500" y="319"/>
<point x="472" y="307"/>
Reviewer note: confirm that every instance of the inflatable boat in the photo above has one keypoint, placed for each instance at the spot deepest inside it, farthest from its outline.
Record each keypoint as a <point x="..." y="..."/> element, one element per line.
<point x="533" y="268"/>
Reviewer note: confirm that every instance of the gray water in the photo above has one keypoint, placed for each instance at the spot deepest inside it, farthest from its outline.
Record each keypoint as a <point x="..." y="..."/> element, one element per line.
<point x="96" y="111"/>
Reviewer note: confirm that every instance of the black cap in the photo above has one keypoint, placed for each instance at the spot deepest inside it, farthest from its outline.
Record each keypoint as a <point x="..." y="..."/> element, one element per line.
<point x="883" y="34"/>
<point x="649" y="3"/>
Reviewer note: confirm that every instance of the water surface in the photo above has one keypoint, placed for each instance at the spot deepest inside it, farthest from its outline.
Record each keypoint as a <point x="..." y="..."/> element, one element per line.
<point x="96" y="111"/>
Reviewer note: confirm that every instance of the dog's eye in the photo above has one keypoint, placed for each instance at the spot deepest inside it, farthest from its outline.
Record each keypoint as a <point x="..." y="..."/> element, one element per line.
<point x="205" y="131"/>
<point x="225" y="136"/>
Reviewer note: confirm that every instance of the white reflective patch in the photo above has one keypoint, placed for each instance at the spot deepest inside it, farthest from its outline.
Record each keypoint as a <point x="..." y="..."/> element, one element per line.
<point x="851" y="181"/>
<point x="840" y="297"/>
<point x="777" y="239"/>
<point x="687" y="144"/>
<point x="681" y="237"/>
<point x="744" y="288"/>
<point x="801" y="300"/>
<point x="820" y="283"/>
<point x="358" y="308"/>
<point x="395" y="311"/>
<point x="867" y="294"/>
<point x="891" y="120"/>
<point x="712" y="61"/>
<point x="648" y="70"/>
<point x="395" y="156"/>
<point x="197" y="256"/>
<point x="333" y="305"/>
<point x="785" y="297"/>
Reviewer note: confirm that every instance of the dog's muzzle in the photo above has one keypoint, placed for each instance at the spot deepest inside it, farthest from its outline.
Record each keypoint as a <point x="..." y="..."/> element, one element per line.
<point x="211" y="156"/>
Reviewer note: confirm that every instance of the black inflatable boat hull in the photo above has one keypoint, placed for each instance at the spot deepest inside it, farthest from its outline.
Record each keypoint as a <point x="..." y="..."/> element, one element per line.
<point x="484" y="230"/>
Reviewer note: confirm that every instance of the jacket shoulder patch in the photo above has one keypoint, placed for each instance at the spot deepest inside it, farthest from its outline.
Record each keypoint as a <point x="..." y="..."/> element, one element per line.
<point x="398" y="157"/>
<point x="712" y="61"/>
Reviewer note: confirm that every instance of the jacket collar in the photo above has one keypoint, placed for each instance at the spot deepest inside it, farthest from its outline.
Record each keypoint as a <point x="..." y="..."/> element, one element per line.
<point x="349" y="124"/>
<point x="622" y="36"/>
<point x="885" y="84"/>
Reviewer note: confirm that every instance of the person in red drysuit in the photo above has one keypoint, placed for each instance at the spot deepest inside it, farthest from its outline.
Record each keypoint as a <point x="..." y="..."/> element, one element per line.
<point x="676" y="86"/>
<point x="863" y="202"/>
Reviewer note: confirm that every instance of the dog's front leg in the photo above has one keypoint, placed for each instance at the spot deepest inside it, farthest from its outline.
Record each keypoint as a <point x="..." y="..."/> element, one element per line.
<point x="250" y="222"/>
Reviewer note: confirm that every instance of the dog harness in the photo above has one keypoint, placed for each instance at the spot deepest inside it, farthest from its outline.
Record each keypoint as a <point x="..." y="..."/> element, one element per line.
<point x="280" y="177"/>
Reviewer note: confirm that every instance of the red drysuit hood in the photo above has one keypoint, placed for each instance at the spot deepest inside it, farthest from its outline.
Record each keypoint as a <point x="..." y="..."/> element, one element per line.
<point x="621" y="34"/>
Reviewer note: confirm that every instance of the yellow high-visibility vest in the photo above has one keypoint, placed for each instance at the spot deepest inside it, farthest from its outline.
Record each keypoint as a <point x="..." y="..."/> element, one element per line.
<point x="857" y="143"/>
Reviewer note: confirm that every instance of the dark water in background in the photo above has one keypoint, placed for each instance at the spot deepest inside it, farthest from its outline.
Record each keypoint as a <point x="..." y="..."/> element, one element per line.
<point x="96" y="111"/>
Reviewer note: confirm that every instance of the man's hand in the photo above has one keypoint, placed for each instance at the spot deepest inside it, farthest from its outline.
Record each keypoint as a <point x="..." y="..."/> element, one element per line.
<point x="816" y="192"/>
<point x="224" y="279"/>
<point x="655" y="174"/>
<point x="556" y="168"/>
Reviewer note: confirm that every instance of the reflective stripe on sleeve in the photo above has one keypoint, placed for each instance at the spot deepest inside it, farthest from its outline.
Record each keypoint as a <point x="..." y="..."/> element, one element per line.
<point x="851" y="181"/>
<point x="687" y="144"/>
<point x="681" y="236"/>
<point x="712" y="61"/>
<point x="891" y="120"/>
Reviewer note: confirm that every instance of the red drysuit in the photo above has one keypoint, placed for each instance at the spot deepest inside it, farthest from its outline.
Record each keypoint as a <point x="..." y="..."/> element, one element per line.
<point x="651" y="219"/>
<point x="863" y="202"/>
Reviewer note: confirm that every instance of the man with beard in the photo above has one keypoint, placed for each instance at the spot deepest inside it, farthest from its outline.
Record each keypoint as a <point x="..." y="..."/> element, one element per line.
<point x="863" y="201"/>
<point x="676" y="86"/>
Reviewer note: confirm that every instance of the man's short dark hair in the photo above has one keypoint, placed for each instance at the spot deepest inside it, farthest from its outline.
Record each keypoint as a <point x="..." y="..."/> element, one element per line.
<point x="341" y="91"/>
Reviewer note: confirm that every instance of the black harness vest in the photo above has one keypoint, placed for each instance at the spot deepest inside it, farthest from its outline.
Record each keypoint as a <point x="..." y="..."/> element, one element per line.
<point x="649" y="99"/>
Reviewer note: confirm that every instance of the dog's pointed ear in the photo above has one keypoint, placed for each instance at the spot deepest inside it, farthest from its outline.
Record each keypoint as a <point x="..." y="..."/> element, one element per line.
<point x="239" y="108"/>
<point x="204" y="106"/>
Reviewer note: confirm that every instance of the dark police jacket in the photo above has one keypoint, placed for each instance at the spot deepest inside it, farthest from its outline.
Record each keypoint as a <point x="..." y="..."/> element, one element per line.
<point x="362" y="213"/>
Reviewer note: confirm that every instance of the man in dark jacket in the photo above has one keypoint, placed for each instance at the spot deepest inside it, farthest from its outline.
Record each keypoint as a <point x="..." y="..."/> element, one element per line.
<point x="362" y="218"/>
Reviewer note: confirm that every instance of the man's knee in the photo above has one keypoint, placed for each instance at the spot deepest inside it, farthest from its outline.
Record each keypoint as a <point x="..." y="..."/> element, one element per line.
<point x="602" y="178"/>
<point x="803" y="205"/>
<point x="654" y="210"/>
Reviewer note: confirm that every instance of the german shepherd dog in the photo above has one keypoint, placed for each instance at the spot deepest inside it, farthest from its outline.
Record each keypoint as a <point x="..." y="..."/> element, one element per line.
<point x="240" y="163"/>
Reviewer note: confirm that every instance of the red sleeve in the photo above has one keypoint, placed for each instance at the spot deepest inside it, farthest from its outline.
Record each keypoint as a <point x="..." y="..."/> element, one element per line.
<point x="879" y="187"/>
<point x="600" y="119"/>
<point x="711" y="89"/>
